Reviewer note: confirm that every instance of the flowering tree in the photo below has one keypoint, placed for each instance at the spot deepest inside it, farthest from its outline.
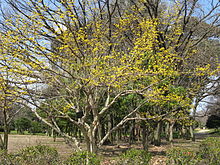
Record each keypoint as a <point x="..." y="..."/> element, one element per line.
<point x="89" y="54"/>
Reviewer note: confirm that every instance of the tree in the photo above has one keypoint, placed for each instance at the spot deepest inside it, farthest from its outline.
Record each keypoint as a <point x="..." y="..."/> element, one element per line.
<point x="90" y="54"/>
<point x="10" y="91"/>
<point x="22" y="124"/>
<point x="213" y="121"/>
<point x="9" y="101"/>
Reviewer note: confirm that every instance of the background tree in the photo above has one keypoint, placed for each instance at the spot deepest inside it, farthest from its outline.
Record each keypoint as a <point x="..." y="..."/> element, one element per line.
<point x="22" y="124"/>
<point x="213" y="122"/>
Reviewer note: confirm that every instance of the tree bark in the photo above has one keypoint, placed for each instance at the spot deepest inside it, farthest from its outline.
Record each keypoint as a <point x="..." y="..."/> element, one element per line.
<point x="145" y="137"/>
<point x="167" y="130"/>
<point x="1" y="143"/>
<point x="6" y="138"/>
<point x="91" y="142"/>
<point x="109" y="128"/>
<point x="131" y="136"/>
<point x="183" y="132"/>
<point x="6" y="131"/>
<point x="171" y="132"/>
<point x="192" y="135"/>
<point x="157" y="134"/>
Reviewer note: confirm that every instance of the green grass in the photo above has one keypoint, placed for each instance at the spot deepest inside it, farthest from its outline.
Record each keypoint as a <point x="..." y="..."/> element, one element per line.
<point x="210" y="131"/>
<point x="198" y="130"/>
<point x="215" y="131"/>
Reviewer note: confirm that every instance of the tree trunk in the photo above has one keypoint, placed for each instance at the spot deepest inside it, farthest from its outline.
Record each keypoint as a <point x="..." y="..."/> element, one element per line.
<point x="192" y="128"/>
<point x="53" y="134"/>
<point x="145" y="137"/>
<point x="6" y="138"/>
<point x="183" y="132"/>
<point x="100" y="130"/>
<point x="171" y="132"/>
<point x="157" y="134"/>
<point x="167" y="133"/>
<point x="6" y="131"/>
<point x="188" y="133"/>
<point x="110" y="126"/>
<point x="80" y="136"/>
<point x="192" y="135"/>
<point x="91" y="143"/>
<point x="118" y="135"/>
<point x="138" y="132"/>
<point x="131" y="137"/>
<point x="1" y="143"/>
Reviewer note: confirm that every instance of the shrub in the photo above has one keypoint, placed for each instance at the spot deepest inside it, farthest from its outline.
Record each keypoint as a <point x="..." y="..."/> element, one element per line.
<point x="210" y="150"/>
<point x="37" y="155"/>
<point x="182" y="156"/>
<point x="135" y="156"/>
<point x="5" y="158"/>
<point x="82" y="158"/>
